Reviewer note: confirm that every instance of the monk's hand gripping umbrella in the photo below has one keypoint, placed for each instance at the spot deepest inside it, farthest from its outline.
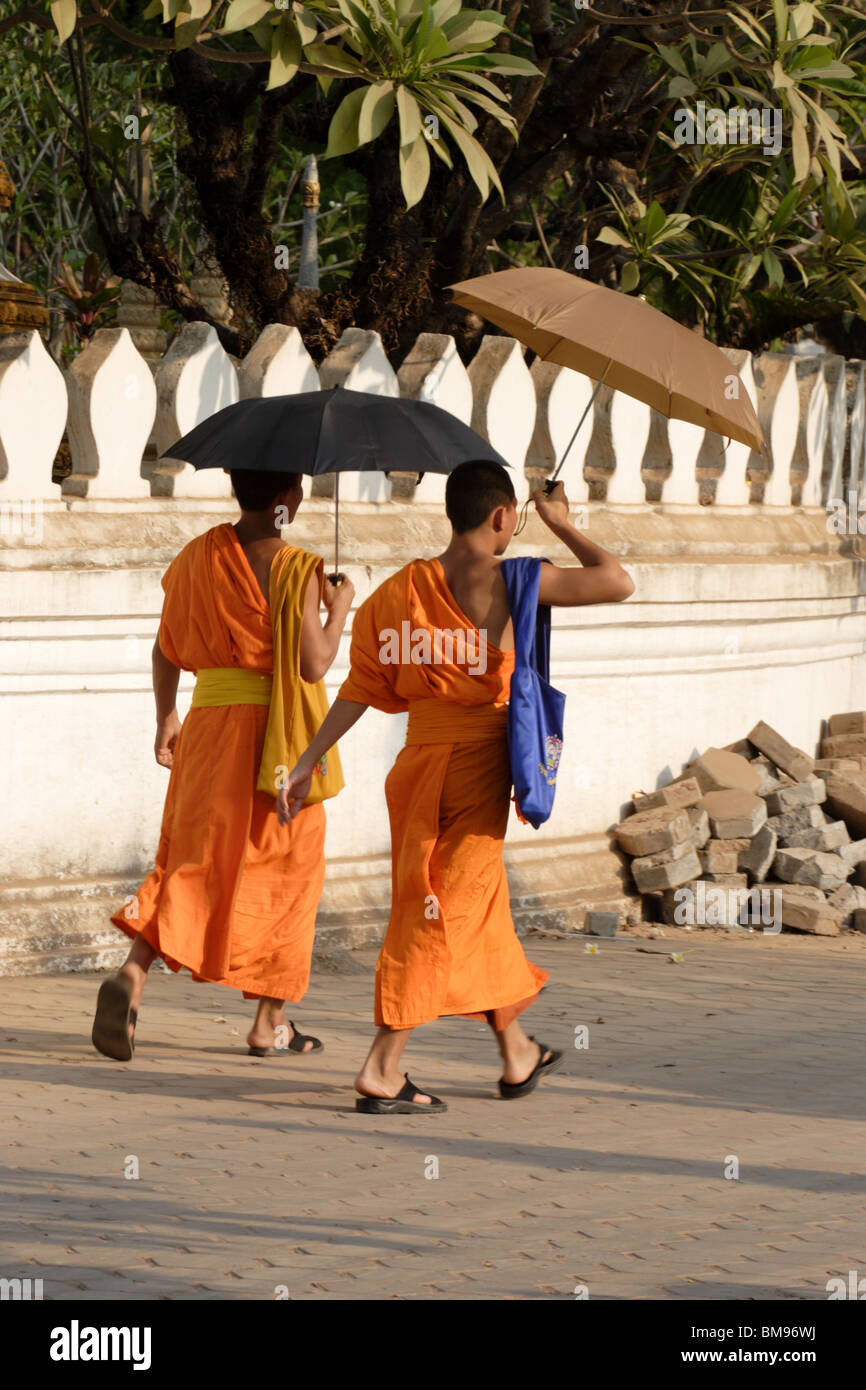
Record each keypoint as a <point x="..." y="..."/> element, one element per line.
<point x="550" y="484"/>
<point x="331" y="431"/>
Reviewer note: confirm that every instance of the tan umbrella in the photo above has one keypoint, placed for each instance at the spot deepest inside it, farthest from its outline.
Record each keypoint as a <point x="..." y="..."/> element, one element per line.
<point x="617" y="339"/>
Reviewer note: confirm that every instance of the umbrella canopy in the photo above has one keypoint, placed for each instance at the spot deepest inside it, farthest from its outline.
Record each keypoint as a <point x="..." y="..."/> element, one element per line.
<point x="333" y="431"/>
<point x="604" y="333"/>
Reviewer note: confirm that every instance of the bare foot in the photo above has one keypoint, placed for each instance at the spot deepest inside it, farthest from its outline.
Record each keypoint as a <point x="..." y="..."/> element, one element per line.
<point x="369" y="1083"/>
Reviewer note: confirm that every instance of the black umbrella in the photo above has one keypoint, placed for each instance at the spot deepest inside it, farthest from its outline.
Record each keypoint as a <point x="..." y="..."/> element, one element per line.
<point x="333" y="431"/>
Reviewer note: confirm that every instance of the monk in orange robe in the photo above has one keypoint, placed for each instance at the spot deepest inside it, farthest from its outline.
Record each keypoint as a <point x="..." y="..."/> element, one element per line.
<point x="436" y="639"/>
<point x="233" y="895"/>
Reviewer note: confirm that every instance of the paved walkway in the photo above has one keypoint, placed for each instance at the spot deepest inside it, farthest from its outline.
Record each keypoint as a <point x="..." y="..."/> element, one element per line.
<point x="257" y="1179"/>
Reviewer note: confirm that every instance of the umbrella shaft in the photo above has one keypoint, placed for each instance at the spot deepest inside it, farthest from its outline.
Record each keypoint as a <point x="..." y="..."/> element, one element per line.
<point x="587" y="409"/>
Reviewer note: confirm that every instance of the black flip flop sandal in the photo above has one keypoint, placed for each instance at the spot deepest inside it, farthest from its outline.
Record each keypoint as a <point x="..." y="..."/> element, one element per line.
<point x="297" y="1044"/>
<point x="114" y="1014"/>
<point x="514" y="1090"/>
<point x="404" y="1103"/>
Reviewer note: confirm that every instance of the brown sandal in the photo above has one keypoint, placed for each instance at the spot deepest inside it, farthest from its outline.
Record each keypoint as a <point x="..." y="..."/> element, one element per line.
<point x="114" y="1014"/>
<point x="548" y="1061"/>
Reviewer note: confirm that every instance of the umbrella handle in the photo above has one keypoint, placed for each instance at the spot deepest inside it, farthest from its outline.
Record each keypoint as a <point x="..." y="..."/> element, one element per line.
<point x="551" y="482"/>
<point x="336" y="579"/>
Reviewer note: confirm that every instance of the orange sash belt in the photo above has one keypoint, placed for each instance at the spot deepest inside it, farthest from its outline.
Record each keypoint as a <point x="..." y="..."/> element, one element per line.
<point x="443" y="721"/>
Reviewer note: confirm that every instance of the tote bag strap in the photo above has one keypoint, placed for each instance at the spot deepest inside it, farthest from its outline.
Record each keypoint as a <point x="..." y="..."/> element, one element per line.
<point x="531" y="620"/>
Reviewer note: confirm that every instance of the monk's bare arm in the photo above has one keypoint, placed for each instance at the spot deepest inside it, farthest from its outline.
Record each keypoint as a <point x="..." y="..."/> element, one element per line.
<point x="600" y="578"/>
<point x="165" y="681"/>
<point x="319" y="642"/>
<point x="340" y="718"/>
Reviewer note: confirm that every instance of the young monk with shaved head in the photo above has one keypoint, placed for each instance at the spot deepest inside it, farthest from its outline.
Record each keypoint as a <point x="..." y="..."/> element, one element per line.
<point x="451" y="947"/>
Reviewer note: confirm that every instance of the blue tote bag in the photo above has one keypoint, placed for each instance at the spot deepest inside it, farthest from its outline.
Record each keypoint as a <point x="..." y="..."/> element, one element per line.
<point x="535" y="709"/>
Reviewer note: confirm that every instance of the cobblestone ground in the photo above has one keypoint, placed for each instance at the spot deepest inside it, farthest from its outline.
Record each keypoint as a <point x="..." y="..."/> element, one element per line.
<point x="258" y="1177"/>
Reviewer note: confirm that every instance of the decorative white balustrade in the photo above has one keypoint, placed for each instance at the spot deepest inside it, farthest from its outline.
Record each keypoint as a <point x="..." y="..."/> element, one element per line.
<point x="812" y="409"/>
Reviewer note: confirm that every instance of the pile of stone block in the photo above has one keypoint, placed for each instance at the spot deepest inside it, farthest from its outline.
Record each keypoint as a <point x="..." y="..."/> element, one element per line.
<point x="783" y="834"/>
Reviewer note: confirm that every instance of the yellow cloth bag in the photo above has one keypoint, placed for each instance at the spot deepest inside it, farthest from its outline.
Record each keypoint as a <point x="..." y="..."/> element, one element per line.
<point x="297" y="707"/>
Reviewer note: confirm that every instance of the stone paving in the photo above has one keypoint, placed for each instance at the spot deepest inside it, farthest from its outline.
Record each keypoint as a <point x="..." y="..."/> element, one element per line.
<point x="258" y="1180"/>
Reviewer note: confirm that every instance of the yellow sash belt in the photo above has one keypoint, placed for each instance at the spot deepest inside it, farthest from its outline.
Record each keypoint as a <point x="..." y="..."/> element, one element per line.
<point x="231" y="686"/>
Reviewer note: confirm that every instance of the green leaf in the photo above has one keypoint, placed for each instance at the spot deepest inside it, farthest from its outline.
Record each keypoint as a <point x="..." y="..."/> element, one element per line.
<point x="343" y="130"/>
<point x="629" y="277"/>
<point x="153" y="9"/>
<point x="483" y="83"/>
<point x="751" y="267"/>
<point x="242" y="13"/>
<point x="436" y="47"/>
<point x="185" y="30"/>
<point x="612" y="237"/>
<point x="784" y="210"/>
<point x="780" y="13"/>
<point x="425" y="29"/>
<point x="263" y="33"/>
<point x="327" y="55"/>
<point x="377" y="108"/>
<point x="780" y="77"/>
<point x="439" y="148"/>
<point x="481" y="167"/>
<point x="64" y="13"/>
<point x="666" y="265"/>
<point x="500" y="113"/>
<point x="800" y="150"/>
<point x="800" y="269"/>
<point x="798" y="106"/>
<point x="285" y="54"/>
<point x="345" y="9"/>
<point x="755" y="31"/>
<point x="444" y="10"/>
<point x="188" y="22"/>
<point x="470" y="28"/>
<point x="463" y="114"/>
<point x="506" y="63"/>
<point x="773" y="267"/>
<point x="655" y="220"/>
<point x="801" y="20"/>
<point x="831" y="71"/>
<point x="409" y="113"/>
<point x="718" y="58"/>
<point x="673" y="58"/>
<point x="681" y="87"/>
<point x="306" y="22"/>
<point x="676" y="224"/>
<point x="414" y="170"/>
<point x="361" y="21"/>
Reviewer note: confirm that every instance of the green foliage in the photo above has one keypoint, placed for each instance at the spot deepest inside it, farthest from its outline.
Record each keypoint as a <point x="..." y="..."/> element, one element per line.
<point x="429" y="60"/>
<point x="744" y="243"/>
<point x="753" y="237"/>
<point x="50" y="219"/>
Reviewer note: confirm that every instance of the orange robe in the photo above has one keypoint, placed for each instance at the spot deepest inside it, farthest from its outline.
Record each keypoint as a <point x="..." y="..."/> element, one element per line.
<point x="450" y="947"/>
<point x="233" y="895"/>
